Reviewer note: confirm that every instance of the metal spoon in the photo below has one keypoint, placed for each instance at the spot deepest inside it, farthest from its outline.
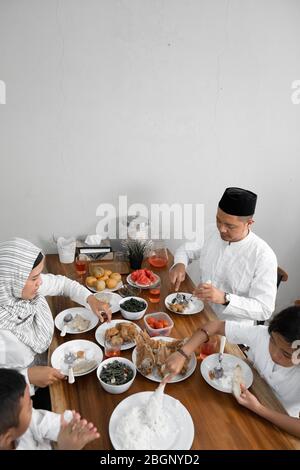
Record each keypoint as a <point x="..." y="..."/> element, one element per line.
<point x="69" y="359"/>
<point x="67" y="318"/>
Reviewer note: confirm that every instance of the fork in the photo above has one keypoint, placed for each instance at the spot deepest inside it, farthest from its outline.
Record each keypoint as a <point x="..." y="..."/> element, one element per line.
<point x="183" y="299"/>
<point x="218" y="370"/>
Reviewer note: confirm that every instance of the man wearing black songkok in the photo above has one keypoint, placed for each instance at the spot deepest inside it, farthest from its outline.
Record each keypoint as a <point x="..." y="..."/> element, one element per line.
<point x="238" y="270"/>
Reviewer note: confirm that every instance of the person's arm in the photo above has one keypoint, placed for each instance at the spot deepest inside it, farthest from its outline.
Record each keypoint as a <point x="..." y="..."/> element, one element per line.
<point x="45" y="425"/>
<point x="68" y="430"/>
<point x="46" y="428"/>
<point x="61" y="285"/>
<point x="184" y="255"/>
<point x="235" y="332"/>
<point x="260" y="302"/>
<point x="175" y="361"/>
<point x="75" y="434"/>
<point x="43" y="376"/>
<point x="15" y="355"/>
<point x="25" y="372"/>
<point x="187" y="253"/>
<point x="283" y="421"/>
<point x="212" y="328"/>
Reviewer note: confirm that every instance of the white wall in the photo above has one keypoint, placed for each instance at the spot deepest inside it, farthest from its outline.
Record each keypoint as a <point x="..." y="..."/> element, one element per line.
<point x="162" y="100"/>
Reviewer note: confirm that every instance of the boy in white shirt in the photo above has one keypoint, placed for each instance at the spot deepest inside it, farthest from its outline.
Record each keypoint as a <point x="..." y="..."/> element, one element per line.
<point x="24" y="428"/>
<point x="275" y="352"/>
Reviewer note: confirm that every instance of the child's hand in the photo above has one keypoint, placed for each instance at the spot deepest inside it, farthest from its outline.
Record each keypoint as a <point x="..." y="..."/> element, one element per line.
<point x="76" y="434"/>
<point x="42" y="376"/>
<point x="173" y="365"/>
<point x="248" y="400"/>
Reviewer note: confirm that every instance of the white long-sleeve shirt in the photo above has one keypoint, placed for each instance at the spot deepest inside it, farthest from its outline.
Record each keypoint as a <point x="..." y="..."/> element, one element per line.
<point x="284" y="381"/>
<point x="17" y="355"/>
<point x="43" y="430"/>
<point x="246" y="269"/>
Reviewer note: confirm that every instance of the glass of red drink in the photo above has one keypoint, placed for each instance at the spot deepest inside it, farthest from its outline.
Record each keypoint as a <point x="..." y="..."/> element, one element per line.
<point x="154" y="295"/>
<point x="81" y="265"/>
<point x="211" y="347"/>
<point x="111" y="350"/>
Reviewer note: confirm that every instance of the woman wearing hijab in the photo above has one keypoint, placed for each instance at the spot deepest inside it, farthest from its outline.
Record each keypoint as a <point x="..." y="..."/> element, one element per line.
<point x="26" y="322"/>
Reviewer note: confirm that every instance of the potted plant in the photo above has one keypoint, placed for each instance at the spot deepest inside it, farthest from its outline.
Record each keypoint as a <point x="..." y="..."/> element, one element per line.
<point x="136" y="250"/>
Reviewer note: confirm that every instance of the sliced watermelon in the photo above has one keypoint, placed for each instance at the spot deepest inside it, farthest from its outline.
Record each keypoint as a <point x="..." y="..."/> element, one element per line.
<point x="145" y="279"/>
<point x="143" y="276"/>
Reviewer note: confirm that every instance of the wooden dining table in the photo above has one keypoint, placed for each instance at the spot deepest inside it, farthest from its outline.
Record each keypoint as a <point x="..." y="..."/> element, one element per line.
<point x="219" y="421"/>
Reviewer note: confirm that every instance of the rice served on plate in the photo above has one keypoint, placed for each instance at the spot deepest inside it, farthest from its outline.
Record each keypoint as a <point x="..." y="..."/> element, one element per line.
<point x="147" y="427"/>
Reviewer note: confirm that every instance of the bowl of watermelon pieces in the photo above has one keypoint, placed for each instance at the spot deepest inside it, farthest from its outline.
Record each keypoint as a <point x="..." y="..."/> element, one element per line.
<point x="143" y="278"/>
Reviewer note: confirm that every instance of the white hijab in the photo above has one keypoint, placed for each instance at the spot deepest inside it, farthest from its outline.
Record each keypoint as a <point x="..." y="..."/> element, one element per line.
<point x="29" y="320"/>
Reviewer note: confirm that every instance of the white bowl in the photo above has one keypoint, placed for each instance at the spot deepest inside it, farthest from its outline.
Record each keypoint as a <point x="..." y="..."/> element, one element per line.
<point x="133" y="315"/>
<point x="116" y="388"/>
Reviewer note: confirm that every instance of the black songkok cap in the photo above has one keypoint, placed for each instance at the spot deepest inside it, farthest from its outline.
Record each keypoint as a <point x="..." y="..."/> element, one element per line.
<point x="238" y="201"/>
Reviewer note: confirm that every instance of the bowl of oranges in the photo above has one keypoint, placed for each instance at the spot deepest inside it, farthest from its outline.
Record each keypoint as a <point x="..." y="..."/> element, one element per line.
<point x="101" y="279"/>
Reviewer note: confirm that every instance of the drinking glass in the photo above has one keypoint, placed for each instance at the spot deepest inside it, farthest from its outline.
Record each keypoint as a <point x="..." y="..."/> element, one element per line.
<point x="111" y="350"/>
<point x="154" y="295"/>
<point x="81" y="265"/>
<point x="119" y="259"/>
<point x="211" y="347"/>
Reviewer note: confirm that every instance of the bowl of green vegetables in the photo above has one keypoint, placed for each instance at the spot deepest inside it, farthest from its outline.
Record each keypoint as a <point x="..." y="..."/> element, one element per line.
<point x="116" y="374"/>
<point x="133" y="308"/>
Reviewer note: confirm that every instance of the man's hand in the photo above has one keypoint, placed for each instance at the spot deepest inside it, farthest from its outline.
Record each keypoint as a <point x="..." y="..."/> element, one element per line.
<point x="248" y="400"/>
<point x="177" y="275"/>
<point x="209" y="293"/>
<point x="42" y="376"/>
<point x="76" y="434"/>
<point x="101" y="309"/>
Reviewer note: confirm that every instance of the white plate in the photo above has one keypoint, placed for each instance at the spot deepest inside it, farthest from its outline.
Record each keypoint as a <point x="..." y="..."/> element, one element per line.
<point x="92" y="352"/>
<point x="229" y="362"/>
<point x="195" y="306"/>
<point x="84" y="312"/>
<point x="114" y="300"/>
<point x="178" y="378"/>
<point x="100" y="333"/>
<point x="179" y="419"/>
<point x="142" y="286"/>
<point x="118" y="286"/>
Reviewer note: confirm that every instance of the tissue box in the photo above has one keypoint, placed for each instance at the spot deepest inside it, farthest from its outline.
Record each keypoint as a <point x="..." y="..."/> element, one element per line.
<point x="102" y="251"/>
